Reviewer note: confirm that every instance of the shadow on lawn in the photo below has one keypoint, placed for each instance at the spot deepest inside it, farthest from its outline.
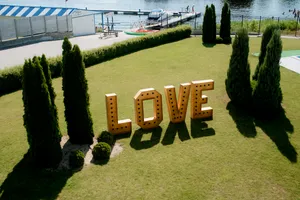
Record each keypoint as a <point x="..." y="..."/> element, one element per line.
<point x="277" y="129"/>
<point x="138" y="144"/>
<point x="244" y="121"/>
<point x="200" y="129"/>
<point x="171" y="131"/>
<point x="28" y="182"/>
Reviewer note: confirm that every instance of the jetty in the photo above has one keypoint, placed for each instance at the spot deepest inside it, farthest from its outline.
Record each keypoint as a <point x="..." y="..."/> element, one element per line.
<point x="175" y="20"/>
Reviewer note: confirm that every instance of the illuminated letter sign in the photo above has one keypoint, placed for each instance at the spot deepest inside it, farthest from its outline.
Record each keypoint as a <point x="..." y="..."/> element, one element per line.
<point x="177" y="110"/>
<point x="148" y="94"/>
<point x="197" y="99"/>
<point x="114" y="125"/>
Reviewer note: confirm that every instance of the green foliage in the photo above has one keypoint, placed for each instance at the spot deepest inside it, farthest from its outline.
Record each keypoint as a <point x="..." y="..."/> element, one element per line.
<point x="76" y="98"/>
<point x="238" y="85"/>
<point x="11" y="79"/>
<point x="225" y="28"/>
<point x="214" y="23"/>
<point x="106" y="137"/>
<point x="101" y="151"/>
<point x="47" y="74"/>
<point x="39" y="120"/>
<point x="286" y="26"/>
<point x="207" y="26"/>
<point x="219" y="40"/>
<point x="100" y="55"/>
<point x="267" y="95"/>
<point x="263" y="48"/>
<point x="76" y="159"/>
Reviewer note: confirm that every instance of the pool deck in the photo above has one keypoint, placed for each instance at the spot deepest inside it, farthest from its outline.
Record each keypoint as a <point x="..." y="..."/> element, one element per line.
<point x="292" y="63"/>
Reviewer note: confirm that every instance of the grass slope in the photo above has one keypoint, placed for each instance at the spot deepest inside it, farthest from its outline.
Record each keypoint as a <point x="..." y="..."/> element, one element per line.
<point x="231" y="157"/>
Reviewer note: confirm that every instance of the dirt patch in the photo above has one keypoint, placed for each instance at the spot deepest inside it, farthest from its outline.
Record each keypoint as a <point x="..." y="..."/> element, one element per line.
<point x="68" y="147"/>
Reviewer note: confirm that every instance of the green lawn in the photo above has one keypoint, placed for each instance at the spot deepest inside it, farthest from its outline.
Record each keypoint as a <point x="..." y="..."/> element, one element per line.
<point x="231" y="157"/>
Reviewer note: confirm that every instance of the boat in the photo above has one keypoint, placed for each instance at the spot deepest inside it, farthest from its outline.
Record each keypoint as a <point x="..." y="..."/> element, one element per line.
<point x="158" y="16"/>
<point x="140" y="32"/>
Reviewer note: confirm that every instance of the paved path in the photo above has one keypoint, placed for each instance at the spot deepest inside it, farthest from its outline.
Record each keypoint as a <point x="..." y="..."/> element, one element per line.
<point x="16" y="56"/>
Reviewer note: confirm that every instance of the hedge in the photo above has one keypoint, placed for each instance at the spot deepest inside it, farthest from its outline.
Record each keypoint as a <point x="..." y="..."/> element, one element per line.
<point x="10" y="79"/>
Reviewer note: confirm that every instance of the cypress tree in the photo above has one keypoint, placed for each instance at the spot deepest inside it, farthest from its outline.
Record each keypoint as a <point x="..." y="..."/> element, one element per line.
<point x="204" y="26"/>
<point x="214" y="23"/>
<point x="207" y="36"/>
<point x="47" y="74"/>
<point x="76" y="98"/>
<point x="225" y="24"/>
<point x="238" y="85"/>
<point x="267" y="95"/>
<point x="39" y="120"/>
<point x="267" y="35"/>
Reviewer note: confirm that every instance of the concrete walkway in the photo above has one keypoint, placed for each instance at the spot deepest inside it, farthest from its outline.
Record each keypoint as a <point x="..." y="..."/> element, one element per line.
<point x="16" y="56"/>
<point x="292" y="63"/>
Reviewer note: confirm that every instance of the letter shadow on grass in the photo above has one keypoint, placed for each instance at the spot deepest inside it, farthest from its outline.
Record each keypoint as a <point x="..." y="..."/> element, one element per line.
<point x="200" y="129"/>
<point x="138" y="144"/>
<point x="171" y="131"/>
<point x="277" y="129"/>
<point x="28" y="182"/>
<point x="243" y="120"/>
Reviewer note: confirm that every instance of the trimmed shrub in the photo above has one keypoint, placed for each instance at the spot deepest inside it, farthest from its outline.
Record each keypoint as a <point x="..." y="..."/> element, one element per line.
<point x="39" y="120"/>
<point x="106" y="137"/>
<point x="76" y="159"/>
<point x="219" y="40"/>
<point x="227" y="40"/>
<point x="101" y="151"/>
<point x="267" y="95"/>
<point x="225" y="28"/>
<point x="76" y="98"/>
<point x="267" y="35"/>
<point x="11" y="79"/>
<point x="238" y="84"/>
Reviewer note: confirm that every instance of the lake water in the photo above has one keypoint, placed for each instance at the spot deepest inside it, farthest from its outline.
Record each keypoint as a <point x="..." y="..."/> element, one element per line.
<point x="250" y="8"/>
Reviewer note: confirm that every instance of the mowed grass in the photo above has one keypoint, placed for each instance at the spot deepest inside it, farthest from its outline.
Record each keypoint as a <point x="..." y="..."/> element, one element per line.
<point x="231" y="157"/>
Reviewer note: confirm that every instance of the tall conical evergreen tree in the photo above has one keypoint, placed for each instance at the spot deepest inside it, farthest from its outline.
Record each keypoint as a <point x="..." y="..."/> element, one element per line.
<point x="76" y="98"/>
<point x="47" y="74"/>
<point x="39" y="119"/>
<point x="267" y="35"/>
<point x="238" y="85"/>
<point x="267" y="95"/>
<point x="207" y="35"/>
<point x="225" y="24"/>
<point x="204" y="26"/>
<point x="214" y="23"/>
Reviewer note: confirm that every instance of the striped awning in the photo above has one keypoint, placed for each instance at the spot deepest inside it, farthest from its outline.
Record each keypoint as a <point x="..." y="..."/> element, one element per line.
<point x="29" y="11"/>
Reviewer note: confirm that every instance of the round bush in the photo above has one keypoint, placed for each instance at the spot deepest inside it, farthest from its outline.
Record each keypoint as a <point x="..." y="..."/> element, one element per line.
<point x="101" y="151"/>
<point x="106" y="137"/>
<point x="76" y="159"/>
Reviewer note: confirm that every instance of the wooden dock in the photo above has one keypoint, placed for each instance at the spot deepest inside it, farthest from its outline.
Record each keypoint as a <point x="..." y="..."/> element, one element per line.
<point x="174" y="21"/>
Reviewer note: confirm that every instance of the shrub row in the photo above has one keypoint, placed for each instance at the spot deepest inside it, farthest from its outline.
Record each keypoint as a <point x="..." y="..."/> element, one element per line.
<point x="10" y="79"/>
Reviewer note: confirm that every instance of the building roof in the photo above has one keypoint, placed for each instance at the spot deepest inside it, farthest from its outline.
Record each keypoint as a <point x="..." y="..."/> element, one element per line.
<point x="29" y="11"/>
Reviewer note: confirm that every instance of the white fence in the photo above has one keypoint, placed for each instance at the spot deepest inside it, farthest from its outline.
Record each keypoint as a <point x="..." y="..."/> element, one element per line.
<point x="30" y="26"/>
